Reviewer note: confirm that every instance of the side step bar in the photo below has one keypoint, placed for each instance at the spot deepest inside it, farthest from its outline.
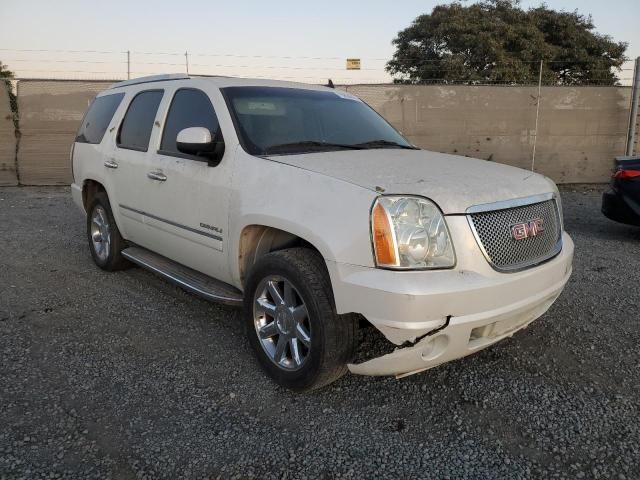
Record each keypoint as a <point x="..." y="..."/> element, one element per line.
<point x="184" y="277"/>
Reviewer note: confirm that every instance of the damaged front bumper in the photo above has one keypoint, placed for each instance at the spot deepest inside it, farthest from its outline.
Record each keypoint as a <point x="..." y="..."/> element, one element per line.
<point x="461" y="336"/>
<point x="438" y="316"/>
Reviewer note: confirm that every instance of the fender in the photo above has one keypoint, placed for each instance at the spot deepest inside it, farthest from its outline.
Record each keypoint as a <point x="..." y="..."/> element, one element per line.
<point x="343" y="237"/>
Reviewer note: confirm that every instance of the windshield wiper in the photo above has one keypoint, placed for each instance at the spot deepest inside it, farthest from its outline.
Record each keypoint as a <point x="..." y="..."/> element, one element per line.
<point x="385" y="143"/>
<point x="287" y="147"/>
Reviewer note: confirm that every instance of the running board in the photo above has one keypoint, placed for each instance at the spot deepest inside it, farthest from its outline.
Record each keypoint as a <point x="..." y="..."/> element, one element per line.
<point x="184" y="277"/>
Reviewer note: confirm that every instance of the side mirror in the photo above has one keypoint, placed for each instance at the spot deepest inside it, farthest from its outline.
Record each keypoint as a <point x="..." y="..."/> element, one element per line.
<point x="197" y="141"/>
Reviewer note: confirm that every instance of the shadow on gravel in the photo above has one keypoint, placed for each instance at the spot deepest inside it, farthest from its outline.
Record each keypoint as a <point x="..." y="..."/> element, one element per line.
<point x="604" y="230"/>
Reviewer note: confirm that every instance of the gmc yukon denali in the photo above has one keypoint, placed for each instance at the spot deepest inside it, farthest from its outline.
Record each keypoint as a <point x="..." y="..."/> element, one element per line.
<point x="302" y="205"/>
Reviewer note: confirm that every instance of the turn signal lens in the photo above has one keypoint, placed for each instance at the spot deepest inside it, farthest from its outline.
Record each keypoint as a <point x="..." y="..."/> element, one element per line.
<point x="383" y="243"/>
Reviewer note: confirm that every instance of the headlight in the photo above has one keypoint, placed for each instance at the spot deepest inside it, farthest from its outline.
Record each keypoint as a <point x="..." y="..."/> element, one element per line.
<point x="410" y="233"/>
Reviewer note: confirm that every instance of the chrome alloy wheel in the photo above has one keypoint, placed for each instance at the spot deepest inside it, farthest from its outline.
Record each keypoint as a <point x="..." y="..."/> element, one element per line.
<point x="100" y="233"/>
<point x="282" y="324"/>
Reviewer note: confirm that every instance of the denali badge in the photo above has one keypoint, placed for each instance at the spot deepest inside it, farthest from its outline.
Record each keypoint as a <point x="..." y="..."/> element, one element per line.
<point x="210" y="227"/>
<point x="533" y="227"/>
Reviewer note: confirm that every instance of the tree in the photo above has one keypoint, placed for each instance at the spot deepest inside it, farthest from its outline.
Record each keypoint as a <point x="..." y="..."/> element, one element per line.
<point x="5" y="77"/>
<point x="5" y="72"/>
<point x="495" y="41"/>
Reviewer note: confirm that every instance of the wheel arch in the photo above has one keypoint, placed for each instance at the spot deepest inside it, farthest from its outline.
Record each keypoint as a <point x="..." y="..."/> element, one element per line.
<point x="256" y="240"/>
<point x="90" y="188"/>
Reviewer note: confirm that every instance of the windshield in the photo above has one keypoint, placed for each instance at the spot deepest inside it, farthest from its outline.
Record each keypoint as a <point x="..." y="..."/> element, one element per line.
<point x="281" y="121"/>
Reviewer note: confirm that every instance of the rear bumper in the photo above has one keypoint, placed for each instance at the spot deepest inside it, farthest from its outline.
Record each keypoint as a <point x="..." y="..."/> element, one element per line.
<point x="615" y="208"/>
<point x="76" y="194"/>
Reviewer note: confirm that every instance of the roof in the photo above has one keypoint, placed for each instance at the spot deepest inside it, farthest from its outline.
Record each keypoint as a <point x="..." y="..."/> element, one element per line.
<point x="219" y="81"/>
<point x="150" y="78"/>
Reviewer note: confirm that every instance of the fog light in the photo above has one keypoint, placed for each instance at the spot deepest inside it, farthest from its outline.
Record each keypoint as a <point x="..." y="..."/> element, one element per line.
<point x="434" y="348"/>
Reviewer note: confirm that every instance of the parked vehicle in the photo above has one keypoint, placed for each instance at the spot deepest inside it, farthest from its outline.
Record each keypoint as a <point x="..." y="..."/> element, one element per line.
<point x="622" y="201"/>
<point x="304" y="206"/>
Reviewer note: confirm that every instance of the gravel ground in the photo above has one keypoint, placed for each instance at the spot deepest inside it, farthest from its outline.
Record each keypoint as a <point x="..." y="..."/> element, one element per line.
<point x="124" y="376"/>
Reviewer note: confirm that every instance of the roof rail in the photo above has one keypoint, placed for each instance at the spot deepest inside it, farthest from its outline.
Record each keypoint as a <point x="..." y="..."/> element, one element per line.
<point x="151" y="78"/>
<point x="212" y="76"/>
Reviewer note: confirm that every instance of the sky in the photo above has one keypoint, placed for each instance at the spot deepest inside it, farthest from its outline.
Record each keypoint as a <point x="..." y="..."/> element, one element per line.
<point x="244" y="38"/>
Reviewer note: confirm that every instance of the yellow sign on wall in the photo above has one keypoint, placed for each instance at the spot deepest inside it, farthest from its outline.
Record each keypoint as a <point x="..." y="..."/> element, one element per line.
<point x="353" y="64"/>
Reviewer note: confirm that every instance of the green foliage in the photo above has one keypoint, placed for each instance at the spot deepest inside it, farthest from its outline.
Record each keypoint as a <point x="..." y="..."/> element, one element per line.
<point x="5" y="78"/>
<point x="497" y="41"/>
<point x="5" y="72"/>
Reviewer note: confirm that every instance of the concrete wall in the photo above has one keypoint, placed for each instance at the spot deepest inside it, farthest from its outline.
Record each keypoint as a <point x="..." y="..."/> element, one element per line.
<point x="7" y="140"/>
<point x="581" y="129"/>
<point x="50" y="114"/>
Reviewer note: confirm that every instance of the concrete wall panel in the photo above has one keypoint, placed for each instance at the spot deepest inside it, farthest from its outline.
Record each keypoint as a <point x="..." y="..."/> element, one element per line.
<point x="44" y="158"/>
<point x="580" y="129"/>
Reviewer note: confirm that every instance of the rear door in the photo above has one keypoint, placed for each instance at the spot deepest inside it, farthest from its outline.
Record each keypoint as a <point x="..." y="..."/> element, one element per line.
<point x="186" y="204"/>
<point x="127" y="162"/>
<point x="91" y="141"/>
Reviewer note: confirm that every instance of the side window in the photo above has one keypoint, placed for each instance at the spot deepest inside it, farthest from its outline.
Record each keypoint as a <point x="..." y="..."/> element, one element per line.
<point x="135" y="130"/>
<point x="189" y="108"/>
<point x="98" y="117"/>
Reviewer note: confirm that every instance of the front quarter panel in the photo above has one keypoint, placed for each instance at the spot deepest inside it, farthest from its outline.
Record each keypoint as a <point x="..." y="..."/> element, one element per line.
<point x="331" y="214"/>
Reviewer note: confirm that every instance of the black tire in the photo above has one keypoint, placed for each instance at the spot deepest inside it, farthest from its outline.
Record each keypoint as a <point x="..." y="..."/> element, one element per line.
<point x="334" y="337"/>
<point x="113" y="259"/>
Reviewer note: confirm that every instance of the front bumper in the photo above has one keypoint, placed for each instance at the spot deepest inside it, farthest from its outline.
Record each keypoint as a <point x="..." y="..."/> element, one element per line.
<point x="462" y="336"/>
<point x="468" y="308"/>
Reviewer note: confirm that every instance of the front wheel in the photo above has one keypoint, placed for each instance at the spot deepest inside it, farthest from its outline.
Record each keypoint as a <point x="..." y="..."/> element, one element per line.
<point x="291" y="320"/>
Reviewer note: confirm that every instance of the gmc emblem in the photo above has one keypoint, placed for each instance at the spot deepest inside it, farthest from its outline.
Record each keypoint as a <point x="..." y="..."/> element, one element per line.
<point x="531" y="228"/>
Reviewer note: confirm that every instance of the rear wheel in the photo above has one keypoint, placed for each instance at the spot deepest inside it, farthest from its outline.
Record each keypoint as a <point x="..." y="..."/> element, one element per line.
<point x="105" y="241"/>
<point x="291" y="321"/>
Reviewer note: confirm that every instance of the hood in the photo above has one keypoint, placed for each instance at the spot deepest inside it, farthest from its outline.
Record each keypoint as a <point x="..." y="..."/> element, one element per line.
<point x="453" y="182"/>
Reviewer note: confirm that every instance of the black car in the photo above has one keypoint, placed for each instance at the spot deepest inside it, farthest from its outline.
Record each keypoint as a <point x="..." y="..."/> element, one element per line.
<point x="622" y="201"/>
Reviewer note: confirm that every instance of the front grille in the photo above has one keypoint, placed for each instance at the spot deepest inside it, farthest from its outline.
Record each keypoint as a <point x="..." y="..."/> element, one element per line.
<point x="493" y="233"/>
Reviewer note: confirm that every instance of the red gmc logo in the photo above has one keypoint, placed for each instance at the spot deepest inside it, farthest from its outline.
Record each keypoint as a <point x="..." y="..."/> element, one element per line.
<point x="531" y="228"/>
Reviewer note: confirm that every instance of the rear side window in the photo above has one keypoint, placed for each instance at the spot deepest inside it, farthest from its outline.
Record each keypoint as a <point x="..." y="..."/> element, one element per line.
<point x="98" y="117"/>
<point x="189" y="108"/>
<point x="135" y="130"/>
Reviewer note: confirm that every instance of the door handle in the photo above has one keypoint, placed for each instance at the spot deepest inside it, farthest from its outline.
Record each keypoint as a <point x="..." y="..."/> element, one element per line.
<point x="111" y="164"/>
<point x="161" y="177"/>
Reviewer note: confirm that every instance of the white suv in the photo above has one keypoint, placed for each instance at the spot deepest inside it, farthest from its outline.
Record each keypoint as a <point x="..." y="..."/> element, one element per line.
<point x="306" y="207"/>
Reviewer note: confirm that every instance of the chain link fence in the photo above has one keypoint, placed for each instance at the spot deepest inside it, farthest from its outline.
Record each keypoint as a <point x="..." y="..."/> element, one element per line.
<point x="100" y="64"/>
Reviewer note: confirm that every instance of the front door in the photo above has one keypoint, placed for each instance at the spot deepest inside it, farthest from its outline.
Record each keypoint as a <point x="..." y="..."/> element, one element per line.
<point x="186" y="205"/>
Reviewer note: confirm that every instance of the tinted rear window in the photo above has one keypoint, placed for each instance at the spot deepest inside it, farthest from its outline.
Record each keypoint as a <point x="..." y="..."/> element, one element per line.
<point x="137" y="125"/>
<point x="98" y="118"/>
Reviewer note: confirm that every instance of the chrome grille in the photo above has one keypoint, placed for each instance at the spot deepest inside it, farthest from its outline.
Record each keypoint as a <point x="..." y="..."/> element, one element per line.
<point x="493" y="233"/>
